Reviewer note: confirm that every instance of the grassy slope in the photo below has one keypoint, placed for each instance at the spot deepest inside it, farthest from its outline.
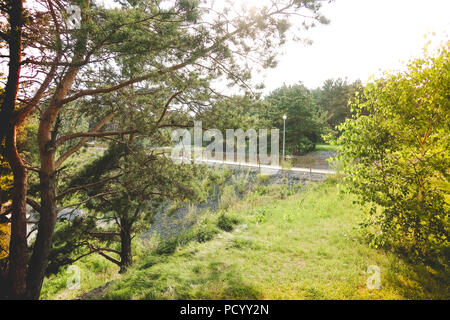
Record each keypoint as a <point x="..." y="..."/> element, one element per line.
<point x="302" y="247"/>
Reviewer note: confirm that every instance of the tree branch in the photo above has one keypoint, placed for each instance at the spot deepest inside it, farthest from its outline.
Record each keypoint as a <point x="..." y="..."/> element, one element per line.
<point x="84" y="201"/>
<point x="36" y="206"/>
<point x="75" y="148"/>
<point x="92" y="134"/>
<point x="167" y="106"/>
<point x="89" y="185"/>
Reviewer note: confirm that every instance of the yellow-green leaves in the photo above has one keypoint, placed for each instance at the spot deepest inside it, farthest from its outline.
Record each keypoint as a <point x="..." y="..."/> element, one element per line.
<point x="396" y="153"/>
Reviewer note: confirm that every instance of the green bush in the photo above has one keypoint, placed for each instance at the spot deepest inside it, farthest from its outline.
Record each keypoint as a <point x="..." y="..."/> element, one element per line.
<point x="205" y="231"/>
<point x="260" y="215"/>
<point x="226" y="222"/>
<point x="167" y="246"/>
<point x="286" y="164"/>
<point x="262" y="178"/>
<point x="303" y="145"/>
<point x="261" y="190"/>
<point x="174" y="207"/>
<point x="395" y="152"/>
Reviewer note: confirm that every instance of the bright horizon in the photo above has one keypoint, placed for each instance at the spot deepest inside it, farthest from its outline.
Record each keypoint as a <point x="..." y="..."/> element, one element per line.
<point x="363" y="38"/>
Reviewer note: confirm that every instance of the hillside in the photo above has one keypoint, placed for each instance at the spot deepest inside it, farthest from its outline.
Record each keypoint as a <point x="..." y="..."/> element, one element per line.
<point x="302" y="246"/>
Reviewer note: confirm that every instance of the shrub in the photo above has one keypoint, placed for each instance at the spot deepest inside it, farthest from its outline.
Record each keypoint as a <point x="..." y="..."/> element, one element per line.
<point x="205" y="232"/>
<point x="261" y="190"/>
<point x="262" y="178"/>
<point x="170" y="246"/>
<point x="286" y="164"/>
<point x="395" y="152"/>
<point x="167" y="246"/>
<point x="226" y="222"/>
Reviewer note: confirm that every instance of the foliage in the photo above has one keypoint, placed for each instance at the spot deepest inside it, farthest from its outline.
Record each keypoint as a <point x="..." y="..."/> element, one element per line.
<point x="164" y="54"/>
<point x="4" y="240"/>
<point x="234" y="112"/>
<point x="305" y="122"/>
<point x="27" y="147"/>
<point x="241" y="182"/>
<point x="205" y="231"/>
<point x="226" y="222"/>
<point x="6" y="181"/>
<point x="262" y="178"/>
<point x="333" y="97"/>
<point x="396" y="153"/>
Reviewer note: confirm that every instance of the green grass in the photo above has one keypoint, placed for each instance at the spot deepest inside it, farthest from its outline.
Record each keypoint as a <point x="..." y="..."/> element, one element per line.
<point x="95" y="271"/>
<point x="325" y="147"/>
<point x="303" y="247"/>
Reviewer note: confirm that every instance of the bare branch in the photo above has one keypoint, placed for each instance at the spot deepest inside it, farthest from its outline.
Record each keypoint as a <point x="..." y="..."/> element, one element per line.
<point x="167" y="106"/>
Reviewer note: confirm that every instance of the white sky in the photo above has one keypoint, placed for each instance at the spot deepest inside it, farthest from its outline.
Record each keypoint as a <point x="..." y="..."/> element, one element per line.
<point x="363" y="37"/>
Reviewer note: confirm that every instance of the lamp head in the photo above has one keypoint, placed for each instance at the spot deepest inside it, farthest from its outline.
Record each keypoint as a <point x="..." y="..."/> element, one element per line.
<point x="284" y="117"/>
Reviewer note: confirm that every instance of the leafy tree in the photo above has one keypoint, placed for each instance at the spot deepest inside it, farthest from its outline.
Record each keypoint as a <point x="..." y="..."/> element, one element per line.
<point x="396" y="155"/>
<point x="305" y="121"/>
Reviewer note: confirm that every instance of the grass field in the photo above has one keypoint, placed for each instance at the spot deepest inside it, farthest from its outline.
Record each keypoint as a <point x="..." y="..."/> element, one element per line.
<point x="305" y="246"/>
<point x="325" y="147"/>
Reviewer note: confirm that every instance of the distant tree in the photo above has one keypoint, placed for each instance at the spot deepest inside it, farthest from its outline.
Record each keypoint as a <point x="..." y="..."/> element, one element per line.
<point x="334" y="97"/>
<point x="305" y="121"/>
<point x="234" y="112"/>
<point x="396" y="155"/>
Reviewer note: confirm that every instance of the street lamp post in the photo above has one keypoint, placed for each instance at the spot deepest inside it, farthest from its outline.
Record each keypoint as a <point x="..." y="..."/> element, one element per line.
<point x="284" y="132"/>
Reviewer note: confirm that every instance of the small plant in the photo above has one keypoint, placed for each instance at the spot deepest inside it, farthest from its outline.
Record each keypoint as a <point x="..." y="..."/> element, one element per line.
<point x="191" y="216"/>
<point x="205" y="231"/>
<point x="262" y="178"/>
<point x="260" y="215"/>
<point x="170" y="246"/>
<point x="228" y="197"/>
<point x="167" y="247"/>
<point x="261" y="190"/>
<point x="173" y="208"/>
<point x="240" y="243"/>
<point x="284" y="191"/>
<point x="241" y="182"/>
<point x="286" y="164"/>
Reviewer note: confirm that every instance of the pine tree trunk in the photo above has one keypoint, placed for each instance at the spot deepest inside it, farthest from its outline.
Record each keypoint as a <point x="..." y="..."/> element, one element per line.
<point x="18" y="242"/>
<point x="8" y="131"/>
<point x="39" y="259"/>
<point x="125" y="251"/>
<point x="47" y="187"/>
